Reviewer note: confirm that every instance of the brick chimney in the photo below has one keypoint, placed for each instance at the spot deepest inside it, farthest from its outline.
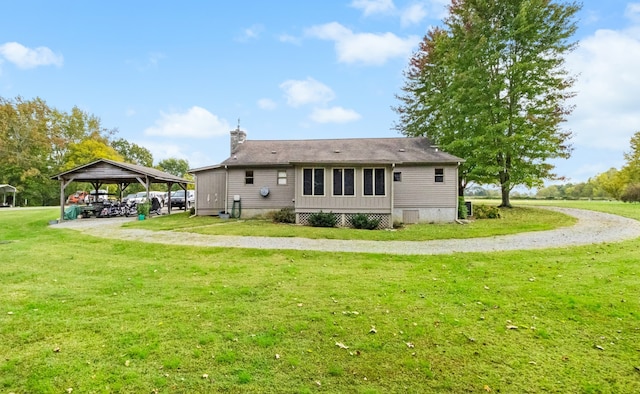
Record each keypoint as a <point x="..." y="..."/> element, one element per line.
<point x="238" y="137"/>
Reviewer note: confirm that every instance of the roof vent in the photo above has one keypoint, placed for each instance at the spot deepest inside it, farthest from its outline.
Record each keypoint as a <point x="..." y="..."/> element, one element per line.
<point x="273" y="152"/>
<point x="401" y="150"/>
<point x="336" y="151"/>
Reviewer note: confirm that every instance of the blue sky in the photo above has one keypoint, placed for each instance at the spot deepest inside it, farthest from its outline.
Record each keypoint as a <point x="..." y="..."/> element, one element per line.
<point x="175" y="77"/>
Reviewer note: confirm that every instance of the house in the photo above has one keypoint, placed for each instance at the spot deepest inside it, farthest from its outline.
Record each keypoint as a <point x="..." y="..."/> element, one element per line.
<point x="391" y="179"/>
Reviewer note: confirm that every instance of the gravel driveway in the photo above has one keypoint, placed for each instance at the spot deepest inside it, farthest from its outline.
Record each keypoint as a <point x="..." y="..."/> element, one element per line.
<point x="592" y="228"/>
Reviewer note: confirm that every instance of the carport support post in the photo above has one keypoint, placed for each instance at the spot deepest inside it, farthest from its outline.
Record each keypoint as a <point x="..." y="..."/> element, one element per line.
<point x="169" y="186"/>
<point x="63" y="185"/>
<point x="61" y="200"/>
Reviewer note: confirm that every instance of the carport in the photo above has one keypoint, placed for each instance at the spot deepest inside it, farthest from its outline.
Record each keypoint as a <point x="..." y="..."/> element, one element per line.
<point x="4" y="189"/>
<point x="109" y="172"/>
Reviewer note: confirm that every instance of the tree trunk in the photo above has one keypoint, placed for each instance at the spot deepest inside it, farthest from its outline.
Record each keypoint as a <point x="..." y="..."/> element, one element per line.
<point x="505" y="189"/>
<point x="461" y="186"/>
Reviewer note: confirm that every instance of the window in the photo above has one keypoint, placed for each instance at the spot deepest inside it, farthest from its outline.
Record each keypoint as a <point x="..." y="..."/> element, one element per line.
<point x="282" y="177"/>
<point x="343" y="181"/>
<point x="248" y="177"/>
<point x="313" y="181"/>
<point x="373" y="181"/>
<point x="397" y="177"/>
<point x="439" y="175"/>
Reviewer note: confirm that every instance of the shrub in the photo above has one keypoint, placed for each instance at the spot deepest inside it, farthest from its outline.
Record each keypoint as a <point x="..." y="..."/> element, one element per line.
<point x="631" y="193"/>
<point x="323" y="219"/>
<point x="192" y="211"/>
<point x="362" y="221"/>
<point x="143" y="209"/>
<point x="486" y="212"/>
<point x="285" y="215"/>
<point x="462" y="209"/>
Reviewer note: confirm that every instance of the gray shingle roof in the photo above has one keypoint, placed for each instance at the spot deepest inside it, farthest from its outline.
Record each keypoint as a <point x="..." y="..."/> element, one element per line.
<point x="402" y="150"/>
<point x="154" y="174"/>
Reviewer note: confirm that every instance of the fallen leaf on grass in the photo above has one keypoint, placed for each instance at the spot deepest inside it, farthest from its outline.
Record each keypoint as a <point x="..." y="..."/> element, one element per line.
<point x="56" y="349"/>
<point x="410" y="345"/>
<point x="373" y="330"/>
<point x="205" y="376"/>
<point x="512" y="327"/>
<point x="342" y="345"/>
<point x="599" y="347"/>
<point x="277" y="356"/>
<point x="487" y="388"/>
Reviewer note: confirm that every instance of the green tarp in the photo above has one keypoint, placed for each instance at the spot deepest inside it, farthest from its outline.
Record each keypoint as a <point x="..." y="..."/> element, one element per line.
<point x="72" y="212"/>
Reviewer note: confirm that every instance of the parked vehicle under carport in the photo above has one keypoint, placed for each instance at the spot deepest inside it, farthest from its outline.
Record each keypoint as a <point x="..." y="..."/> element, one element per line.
<point x="178" y="200"/>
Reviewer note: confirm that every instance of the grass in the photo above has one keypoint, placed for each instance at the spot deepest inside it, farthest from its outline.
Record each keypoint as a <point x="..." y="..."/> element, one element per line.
<point x="99" y="315"/>
<point x="514" y="220"/>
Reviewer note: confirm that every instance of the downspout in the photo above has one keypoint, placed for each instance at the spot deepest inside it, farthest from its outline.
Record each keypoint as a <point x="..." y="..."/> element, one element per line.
<point x="226" y="189"/>
<point x="195" y="190"/>
<point x="457" y="193"/>
<point x="393" y="193"/>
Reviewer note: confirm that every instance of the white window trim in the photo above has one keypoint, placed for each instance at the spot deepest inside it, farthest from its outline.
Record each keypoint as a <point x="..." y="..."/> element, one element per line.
<point x="355" y="182"/>
<point x="373" y="180"/>
<point x="313" y="175"/>
<point x="279" y="178"/>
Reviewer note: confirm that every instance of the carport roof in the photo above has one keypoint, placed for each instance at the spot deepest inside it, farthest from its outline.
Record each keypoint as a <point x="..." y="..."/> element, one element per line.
<point x="7" y="188"/>
<point x="109" y="171"/>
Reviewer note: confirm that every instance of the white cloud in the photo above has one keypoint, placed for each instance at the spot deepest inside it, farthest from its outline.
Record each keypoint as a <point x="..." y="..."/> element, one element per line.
<point x="309" y="91"/>
<point x="267" y="104"/>
<point x="632" y="12"/>
<point x="162" y="151"/>
<point x="196" y="122"/>
<point x="289" y="39"/>
<point x="334" y="115"/>
<point x="24" y="57"/>
<point x="413" y="14"/>
<point x="370" y="7"/>
<point x="606" y="113"/>
<point x="251" y="33"/>
<point x="365" y="48"/>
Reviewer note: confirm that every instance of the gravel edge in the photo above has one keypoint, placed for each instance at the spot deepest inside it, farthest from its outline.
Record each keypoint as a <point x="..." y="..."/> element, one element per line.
<point x="592" y="228"/>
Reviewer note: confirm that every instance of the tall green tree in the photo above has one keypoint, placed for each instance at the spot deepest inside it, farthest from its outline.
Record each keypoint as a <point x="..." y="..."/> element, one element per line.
<point x="90" y="149"/>
<point x="490" y="86"/>
<point x="25" y="149"/>
<point x="133" y="153"/>
<point x="177" y="167"/>
<point x="632" y="166"/>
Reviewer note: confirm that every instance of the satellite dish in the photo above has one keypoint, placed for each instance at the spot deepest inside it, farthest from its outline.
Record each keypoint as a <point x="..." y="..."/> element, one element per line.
<point x="264" y="191"/>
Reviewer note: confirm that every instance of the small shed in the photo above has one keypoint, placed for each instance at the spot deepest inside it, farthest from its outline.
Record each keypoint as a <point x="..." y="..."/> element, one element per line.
<point x="109" y="172"/>
<point x="4" y="189"/>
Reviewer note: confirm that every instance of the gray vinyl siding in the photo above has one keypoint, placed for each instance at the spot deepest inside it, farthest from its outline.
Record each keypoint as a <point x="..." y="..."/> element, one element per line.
<point x="280" y="196"/>
<point x="418" y="188"/>
<point x="210" y="192"/>
<point x="358" y="203"/>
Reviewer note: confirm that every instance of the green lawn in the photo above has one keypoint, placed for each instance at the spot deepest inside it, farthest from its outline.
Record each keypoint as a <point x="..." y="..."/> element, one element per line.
<point x="96" y="315"/>
<point x="516" y="220"/>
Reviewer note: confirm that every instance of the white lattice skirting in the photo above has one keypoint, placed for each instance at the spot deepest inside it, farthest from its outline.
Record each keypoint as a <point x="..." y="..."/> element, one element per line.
<point x="345" y="219"/>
